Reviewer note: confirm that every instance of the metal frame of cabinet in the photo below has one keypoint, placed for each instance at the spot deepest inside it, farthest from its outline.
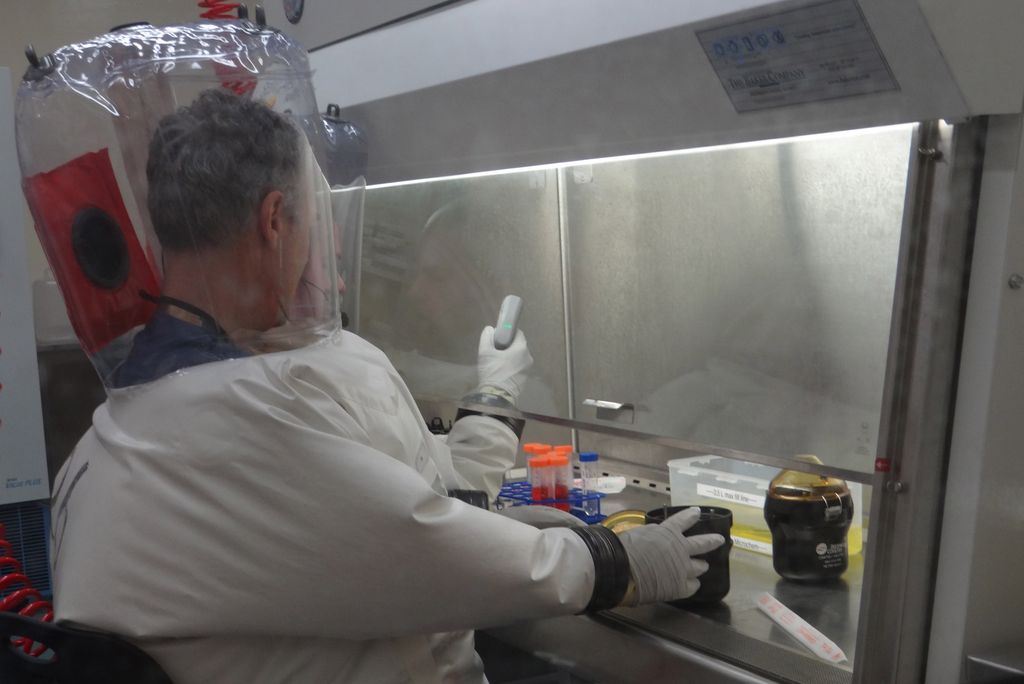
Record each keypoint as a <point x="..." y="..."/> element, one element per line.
<point x="921" y="382"/>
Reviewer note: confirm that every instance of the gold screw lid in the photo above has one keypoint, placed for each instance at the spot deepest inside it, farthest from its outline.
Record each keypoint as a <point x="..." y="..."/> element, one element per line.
<point x="797" y="485"/>
<point x="620" y="521"/>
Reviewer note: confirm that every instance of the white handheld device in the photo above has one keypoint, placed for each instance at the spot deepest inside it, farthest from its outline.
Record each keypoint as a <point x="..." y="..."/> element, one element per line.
<point x="508" y="322"/>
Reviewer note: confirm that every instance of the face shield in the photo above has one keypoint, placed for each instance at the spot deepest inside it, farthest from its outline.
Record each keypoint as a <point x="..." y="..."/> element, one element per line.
<point x="333" y="216"/>
<point x="174" y="175"/>
<point x="346" y="160"/>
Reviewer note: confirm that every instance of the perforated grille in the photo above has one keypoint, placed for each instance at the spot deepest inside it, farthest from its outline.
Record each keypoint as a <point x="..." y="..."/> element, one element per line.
<point x="26" y="527"/>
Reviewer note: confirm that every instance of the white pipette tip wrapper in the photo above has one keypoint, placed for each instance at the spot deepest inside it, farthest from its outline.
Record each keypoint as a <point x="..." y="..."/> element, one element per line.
<point x="817" y="642"/>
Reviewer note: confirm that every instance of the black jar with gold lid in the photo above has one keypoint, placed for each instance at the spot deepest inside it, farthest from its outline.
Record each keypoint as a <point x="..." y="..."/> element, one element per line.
<point x="809" y="516"/>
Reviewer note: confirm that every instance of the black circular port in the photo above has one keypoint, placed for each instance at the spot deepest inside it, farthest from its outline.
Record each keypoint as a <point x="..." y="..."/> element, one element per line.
<point x="99" y="248"/>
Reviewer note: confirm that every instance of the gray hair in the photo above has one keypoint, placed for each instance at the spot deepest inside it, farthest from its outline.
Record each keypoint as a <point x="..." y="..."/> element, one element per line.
<point x="212" y="163"/>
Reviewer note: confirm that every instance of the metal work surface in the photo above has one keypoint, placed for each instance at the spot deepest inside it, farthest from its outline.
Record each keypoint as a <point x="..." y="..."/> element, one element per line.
<point x="734" y="635"/>
<point x="602" y="649"/>
<point x="736" y="631"/>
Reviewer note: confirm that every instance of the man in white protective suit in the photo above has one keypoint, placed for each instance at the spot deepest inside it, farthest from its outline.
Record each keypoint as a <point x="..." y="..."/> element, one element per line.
<point x="248" y="510"/>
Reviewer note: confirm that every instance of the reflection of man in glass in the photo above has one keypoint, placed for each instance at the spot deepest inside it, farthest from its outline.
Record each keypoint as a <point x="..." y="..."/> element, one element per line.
<point x="445" y="298"/>
<point x="448" y="295"/>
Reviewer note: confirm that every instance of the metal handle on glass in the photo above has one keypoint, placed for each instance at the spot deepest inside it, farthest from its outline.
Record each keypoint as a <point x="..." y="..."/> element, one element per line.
<point x="614" y="411"/>
<point x="611" y="405"/>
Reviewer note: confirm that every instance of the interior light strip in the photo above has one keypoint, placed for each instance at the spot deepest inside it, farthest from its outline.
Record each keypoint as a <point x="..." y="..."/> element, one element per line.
<point x="650" y="155"/>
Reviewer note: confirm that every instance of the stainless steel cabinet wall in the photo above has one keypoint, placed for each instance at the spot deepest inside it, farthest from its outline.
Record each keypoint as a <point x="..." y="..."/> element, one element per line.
<point x="437" y="260"/>
<point x="736" y="296"/>
<point x="741" y="297"/>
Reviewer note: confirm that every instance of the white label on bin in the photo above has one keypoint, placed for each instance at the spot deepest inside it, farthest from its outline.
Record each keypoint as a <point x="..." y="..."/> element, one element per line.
<point x="730" y="495"/>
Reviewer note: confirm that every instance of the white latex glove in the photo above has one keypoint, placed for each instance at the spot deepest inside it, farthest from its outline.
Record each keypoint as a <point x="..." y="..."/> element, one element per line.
<point x="502" y="372"/>
<point x="661" y="559"/>
<point x="541" y="517"/>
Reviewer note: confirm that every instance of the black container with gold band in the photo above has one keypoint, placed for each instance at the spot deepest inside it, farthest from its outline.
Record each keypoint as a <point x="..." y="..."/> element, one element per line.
<point x="809" y="516"/>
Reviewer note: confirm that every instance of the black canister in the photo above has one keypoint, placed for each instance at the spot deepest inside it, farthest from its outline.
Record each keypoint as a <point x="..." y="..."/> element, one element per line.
<point x="809" y="516"/>
<point x="714" y="584"/>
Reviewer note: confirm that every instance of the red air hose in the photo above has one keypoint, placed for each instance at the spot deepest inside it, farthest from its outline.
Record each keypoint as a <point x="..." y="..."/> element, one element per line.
<point x="218" y="9"/>
<point x="24" y="600"/>
<point x="221" y="9"/>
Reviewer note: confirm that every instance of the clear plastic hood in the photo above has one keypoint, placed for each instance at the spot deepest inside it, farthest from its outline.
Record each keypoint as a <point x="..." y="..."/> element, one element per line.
<point x="174" y="174"/>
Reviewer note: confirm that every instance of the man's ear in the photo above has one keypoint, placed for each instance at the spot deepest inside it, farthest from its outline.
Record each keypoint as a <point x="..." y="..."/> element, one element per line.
<point x="270" y="225"/>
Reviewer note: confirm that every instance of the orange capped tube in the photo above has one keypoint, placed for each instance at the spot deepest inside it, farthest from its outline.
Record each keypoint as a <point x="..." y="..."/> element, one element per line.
<point x="563" y="479"/>
<point x="539" y="468"/>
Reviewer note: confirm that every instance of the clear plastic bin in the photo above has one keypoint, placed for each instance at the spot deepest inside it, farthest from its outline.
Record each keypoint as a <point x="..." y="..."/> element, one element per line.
<point x="741" y="487"/>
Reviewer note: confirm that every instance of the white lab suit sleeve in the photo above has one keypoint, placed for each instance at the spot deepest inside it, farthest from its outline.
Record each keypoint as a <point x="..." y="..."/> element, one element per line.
<point x="482" y="449"/>
<point x="292" y="529"/>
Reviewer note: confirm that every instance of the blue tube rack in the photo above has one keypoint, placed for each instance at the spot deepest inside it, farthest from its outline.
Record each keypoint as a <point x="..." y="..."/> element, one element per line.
<point x="521" y="494"/>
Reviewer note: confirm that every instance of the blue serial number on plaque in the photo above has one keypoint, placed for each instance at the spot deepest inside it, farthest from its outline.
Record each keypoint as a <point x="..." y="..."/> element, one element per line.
<point x="749" y="44"/>
<point x="817" y="51"/>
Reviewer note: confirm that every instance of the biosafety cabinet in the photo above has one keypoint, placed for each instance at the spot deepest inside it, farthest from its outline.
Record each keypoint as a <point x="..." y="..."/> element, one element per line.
<point x="742" y="230"/>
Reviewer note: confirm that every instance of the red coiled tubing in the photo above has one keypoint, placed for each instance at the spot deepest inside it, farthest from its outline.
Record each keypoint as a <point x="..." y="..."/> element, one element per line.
<point x="24" y="600"/>
<point x="221" y="9"/>
<point x="218" y="9"/>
